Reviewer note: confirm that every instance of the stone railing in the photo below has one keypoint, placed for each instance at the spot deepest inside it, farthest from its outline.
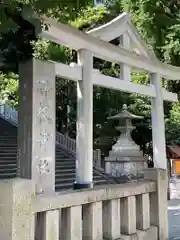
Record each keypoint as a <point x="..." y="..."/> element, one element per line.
<point x="66" y="141"/>
<point x="70" y="144"/>
<point x="135" y="210"/>
<point x="11" y="114"/>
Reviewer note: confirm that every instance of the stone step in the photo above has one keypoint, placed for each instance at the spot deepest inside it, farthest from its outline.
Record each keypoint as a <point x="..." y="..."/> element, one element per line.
<point x="7" y="161"/>
<point x="7" y="137"/>
<point x="62" y="157"/>
<point x="65" y="180"/>
<point x="12" y="132"/>
<point x="13" y="149"/>
<point x="7" y="165"/>
<point x="72" y="176"/>
<point x="68" y="186"/>
<point x="66" y="167"/>
<point x="7" y="153"/>
<point x="11" y="160"/>
<point x="64" y="186"/>
<point x="8" y="169"/>
<point x="65" y="171"/>
<point x="64" y="175"/>
<point x="101" y="182"/>
<point x="65" y="158"/>
<point x="10" y="152"/>
<point x="60" y="177"/>
<point x="65" y="162"/>
<point x="2" y="150"/>
<point x="6" y="156"/>
<point x="7" y="175"/>
<point x="8" y="144"/>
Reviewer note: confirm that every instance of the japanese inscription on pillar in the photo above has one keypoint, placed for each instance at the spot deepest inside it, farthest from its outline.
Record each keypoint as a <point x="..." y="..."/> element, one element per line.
<point x="45" y="122"/>
<point x="36" y="133"/>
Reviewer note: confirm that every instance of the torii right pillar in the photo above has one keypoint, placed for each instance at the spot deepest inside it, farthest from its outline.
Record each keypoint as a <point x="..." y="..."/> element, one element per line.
<point x="158" y="128"/>
<point x="159" y="154"/>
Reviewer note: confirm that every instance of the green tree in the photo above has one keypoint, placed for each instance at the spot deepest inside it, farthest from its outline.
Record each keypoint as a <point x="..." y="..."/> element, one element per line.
<point x="173" y="125"/>
<point x="16" y="33"/>
<point x="8" y="89"/>
<point x="61" y="9"/>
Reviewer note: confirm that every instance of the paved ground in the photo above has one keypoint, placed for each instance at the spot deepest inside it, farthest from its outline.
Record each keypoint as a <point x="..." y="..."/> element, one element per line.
<point x="174" y="219"/>
<point x="174" y="211"/>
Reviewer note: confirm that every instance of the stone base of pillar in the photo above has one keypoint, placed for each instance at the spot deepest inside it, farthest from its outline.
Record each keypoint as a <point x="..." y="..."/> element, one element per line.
<point x="132" y="168"/>
<point x="78" y="185"/>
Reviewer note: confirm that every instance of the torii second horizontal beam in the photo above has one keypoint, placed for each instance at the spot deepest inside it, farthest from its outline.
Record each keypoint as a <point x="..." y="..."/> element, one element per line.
<point x="73" y="72"/>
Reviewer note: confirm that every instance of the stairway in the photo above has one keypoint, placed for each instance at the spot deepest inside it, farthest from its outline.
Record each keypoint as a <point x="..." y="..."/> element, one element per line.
<point x="65" y="161"/>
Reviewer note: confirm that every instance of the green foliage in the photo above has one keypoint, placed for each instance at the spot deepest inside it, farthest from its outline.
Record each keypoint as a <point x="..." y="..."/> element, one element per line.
<point x="153" y="19"/>
<point x="8" y="89"/>
<point x="172" y="133"/>
<point x="175" y="114"/>
<point x="59" y="9"/>
<point x="142" y="135"/>
<point x="173" y="125"/>
<point x="172" y="45"/>
<point x="16" y="33"/>
<point x="91" y="17"/>
<point x="45" y="50"/>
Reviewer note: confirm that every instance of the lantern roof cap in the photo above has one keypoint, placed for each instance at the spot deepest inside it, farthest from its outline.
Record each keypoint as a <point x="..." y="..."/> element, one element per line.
<point x="125" y="114"/>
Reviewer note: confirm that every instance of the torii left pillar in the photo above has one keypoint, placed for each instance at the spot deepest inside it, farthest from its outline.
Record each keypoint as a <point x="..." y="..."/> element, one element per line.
<point x="36" y="124"/>
<point x="84" y="136"/>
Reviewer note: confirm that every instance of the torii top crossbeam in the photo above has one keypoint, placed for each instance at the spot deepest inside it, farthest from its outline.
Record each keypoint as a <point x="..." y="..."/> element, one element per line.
<point x="117" y="27"/>
<point x="75" y="39"/>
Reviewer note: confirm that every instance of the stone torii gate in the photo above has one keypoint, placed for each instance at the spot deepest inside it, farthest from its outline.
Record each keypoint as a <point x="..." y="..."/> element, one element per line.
<point x="132" y="54"/>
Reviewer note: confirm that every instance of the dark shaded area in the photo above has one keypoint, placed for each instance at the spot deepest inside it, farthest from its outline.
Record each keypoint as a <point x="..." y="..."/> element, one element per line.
<point x="15" y="45"/>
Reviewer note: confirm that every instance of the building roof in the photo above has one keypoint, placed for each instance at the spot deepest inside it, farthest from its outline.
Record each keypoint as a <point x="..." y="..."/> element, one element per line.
<point x="175" y="150"/>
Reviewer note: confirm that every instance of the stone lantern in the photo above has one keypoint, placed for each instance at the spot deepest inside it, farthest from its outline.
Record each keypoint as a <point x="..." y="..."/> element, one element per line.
<point x="125" y="158"/>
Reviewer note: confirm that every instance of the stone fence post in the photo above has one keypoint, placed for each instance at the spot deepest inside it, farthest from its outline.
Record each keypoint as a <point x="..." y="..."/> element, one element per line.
<point x="17" y="222"/>
<point x="158" y="201"/>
